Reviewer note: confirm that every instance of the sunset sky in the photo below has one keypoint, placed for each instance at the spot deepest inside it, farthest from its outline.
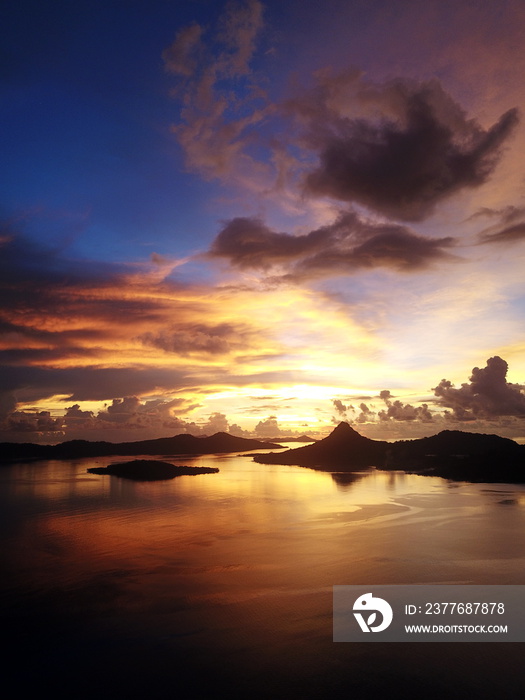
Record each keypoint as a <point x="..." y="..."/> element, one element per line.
<point x="262" y="217"/>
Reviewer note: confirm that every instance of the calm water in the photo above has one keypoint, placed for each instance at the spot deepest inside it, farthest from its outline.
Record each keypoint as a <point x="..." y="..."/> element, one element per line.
<point x="220" y="585"/>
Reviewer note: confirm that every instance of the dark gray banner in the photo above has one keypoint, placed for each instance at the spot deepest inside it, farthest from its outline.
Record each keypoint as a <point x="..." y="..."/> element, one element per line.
<point x="432" y="613"/>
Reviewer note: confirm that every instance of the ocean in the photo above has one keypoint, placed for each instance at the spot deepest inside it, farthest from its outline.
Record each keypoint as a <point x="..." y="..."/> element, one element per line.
<point x="220" y="585"/>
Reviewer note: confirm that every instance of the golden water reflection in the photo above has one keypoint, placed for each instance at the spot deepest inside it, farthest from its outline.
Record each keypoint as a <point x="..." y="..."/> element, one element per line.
<point x="240" y="565"/>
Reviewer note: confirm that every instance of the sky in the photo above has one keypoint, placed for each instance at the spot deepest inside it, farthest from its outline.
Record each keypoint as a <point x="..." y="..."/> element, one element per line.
<point x="261" y="218"/>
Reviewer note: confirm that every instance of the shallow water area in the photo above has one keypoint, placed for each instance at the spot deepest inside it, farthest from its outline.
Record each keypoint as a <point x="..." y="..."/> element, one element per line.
<point x="222" y="583"/>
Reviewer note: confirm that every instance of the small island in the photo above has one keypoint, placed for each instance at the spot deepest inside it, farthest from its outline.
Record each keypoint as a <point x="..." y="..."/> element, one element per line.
<point x="149" y="470"/>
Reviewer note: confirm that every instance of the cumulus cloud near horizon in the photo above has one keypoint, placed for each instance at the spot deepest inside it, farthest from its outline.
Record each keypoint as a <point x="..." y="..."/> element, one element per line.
<point x="487" y="398"/>
<point x="486" y="395"/>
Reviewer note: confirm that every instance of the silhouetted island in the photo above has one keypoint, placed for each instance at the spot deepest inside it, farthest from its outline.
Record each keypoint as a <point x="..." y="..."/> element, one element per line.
<point x="183" y="444"/>
<point x="301" y="438"/>
<point x="343" y="449"/>
<point x="149" y="470"/>
<point x="451" y="454"/>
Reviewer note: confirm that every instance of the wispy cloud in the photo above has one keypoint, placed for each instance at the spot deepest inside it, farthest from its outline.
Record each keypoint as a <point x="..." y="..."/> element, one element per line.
<point x="510" y="234"/>
<point x="96" y="332"/>
<point x="508" y="225"/>
<point x="216" y="124"/>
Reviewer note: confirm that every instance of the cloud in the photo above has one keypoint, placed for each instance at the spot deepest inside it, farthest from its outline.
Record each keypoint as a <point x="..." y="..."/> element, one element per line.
<point x="217" y="423"/>
<point x="238" y="32"/>
<point x="420" y="150"/>
<point x="398" y="148"/>
<point x="7" y="404"/>
<point x="365" y="414"/>
<point x="130" y="412"/>
<point x="397" y="410"/>
<point x="220" y="104"/>
<point x="505" y="215"/>
<point x="123" y="419"/>
<point x="36" y="422"/>
<point x="76" y="418"/>
<point x="180" y="58"/>
<point x="509" y="227"/>
<point x="88" y="383"/>
<point x="350" y="243"/>
<point x="511" y="234"/>
<point x="186" y="339"/>
<point x="268" y="428"/>
<point x="89" y="332"/>
<point x="340" y="407"/>
<point x="487" y="395"/>
<point x="120" y="410"/>
<point x="227" y="54"/>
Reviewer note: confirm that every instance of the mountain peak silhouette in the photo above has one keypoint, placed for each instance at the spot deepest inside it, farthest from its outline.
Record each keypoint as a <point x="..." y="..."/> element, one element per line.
<point x="344" y="446"/>
<point x="450" y="454"/>
<point x="345" y="431"/>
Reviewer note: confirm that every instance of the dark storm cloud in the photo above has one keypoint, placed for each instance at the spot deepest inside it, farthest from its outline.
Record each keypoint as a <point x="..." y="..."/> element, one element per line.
<point x="487" y="395"/>
<point x="420" y="150"/>
<point x="348" y="244"/>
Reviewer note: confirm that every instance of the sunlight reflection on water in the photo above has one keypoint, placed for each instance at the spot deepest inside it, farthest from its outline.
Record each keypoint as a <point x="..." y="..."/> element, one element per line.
<point x="237" y="565"/>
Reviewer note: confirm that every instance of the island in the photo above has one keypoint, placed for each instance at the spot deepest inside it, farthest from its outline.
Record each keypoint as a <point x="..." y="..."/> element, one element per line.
<point x="149" y="470"/>
<point x="183" y="444"/>
<point x="288" y="438"/>
<point x="451" y="454"/>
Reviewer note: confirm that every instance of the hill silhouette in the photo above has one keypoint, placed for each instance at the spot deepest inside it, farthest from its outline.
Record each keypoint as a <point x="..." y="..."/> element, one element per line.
<point x="451" y="454"/>
<point x="183" y="444"/>
<point x="461" y="456"/>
